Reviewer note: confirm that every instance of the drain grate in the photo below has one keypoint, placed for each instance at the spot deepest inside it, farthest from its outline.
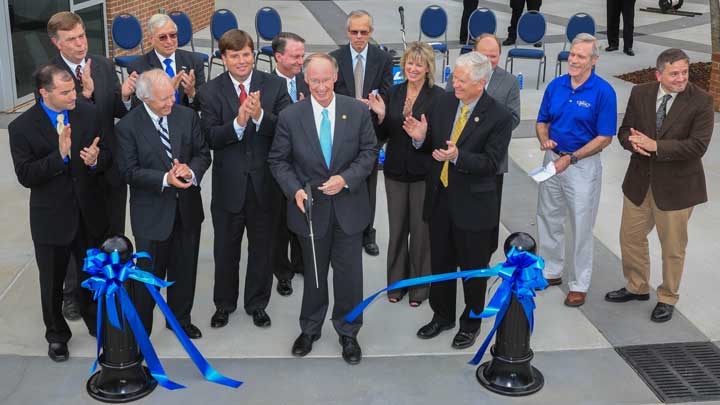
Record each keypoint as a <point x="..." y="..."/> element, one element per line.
<point x="677" y="372"/>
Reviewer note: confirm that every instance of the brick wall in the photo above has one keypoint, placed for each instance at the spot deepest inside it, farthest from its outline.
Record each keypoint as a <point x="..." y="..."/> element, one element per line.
<point x="199" y="12"/>
<point x="715" y="80"/>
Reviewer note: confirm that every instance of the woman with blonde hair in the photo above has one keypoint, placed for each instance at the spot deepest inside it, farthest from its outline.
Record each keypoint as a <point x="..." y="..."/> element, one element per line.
<point x="405" y="169"/>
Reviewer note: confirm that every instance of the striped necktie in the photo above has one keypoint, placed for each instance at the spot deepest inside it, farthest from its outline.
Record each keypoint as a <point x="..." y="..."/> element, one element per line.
<point x="165" y="139"/>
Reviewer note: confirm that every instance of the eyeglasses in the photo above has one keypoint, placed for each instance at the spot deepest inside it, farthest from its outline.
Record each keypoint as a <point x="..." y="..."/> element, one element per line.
<point x="164" y="37"/>
<point x="316" y="82"/>
<point x="359" y="32"/>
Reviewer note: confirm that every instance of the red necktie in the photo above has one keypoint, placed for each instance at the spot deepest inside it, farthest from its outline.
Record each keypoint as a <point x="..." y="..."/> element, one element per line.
<point x="243" y="94"/>
<point x="78" y="74"/>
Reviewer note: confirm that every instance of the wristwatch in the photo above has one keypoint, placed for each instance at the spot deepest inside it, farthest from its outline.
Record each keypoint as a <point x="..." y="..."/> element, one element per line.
<point x="573" y="159"/>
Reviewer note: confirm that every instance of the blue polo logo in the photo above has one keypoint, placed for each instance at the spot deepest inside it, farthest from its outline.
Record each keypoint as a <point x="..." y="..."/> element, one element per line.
<point x="397" y="75"/>
<point x="583" y="103"/>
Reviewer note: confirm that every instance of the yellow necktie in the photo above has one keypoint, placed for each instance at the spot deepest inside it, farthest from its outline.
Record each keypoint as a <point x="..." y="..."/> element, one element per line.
<point x="459" y="125"/>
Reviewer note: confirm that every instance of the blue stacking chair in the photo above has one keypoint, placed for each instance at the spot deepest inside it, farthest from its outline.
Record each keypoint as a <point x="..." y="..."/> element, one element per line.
<point x="267" y="25"/>
<point x="481" y="21"/>
<point x="222" y="21"/>
<point x="578" y="23"/>
<point x="185" y="34"/>
<point x="530" y="30"/>
<point x="127" y="34"/>
<point x="433" y="24"/>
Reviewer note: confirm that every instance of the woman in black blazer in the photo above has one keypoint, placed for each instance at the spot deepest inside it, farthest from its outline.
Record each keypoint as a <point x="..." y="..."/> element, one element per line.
<point x="405" y="168"/>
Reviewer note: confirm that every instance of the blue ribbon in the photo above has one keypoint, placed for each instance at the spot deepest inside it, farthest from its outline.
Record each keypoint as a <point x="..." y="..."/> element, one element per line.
<point x="521" y="275"/>
<point x="107" y="277"/>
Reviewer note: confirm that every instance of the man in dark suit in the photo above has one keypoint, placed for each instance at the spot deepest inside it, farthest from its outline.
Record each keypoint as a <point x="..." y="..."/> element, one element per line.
<point x="614" y="9"/>
<point x="327" y="142"/>
<point x="517" y="7"/>
<point x="185" y="68"/>
<point x="667" y="127"/>
<point x="239" y="113"/>
<point x="363" y="69"/>
<point x="163" y="158"/>
<point x="289" y="49"/>
<point x="57" y="155"/>
<point x="95" y="83"/>
<point x="468" y="133"/>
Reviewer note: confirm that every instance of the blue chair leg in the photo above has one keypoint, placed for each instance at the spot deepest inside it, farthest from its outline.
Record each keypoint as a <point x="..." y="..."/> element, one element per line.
<point x="209" y="76"/>
<point x="544" y="59"/>
<point x="537" y="85"/>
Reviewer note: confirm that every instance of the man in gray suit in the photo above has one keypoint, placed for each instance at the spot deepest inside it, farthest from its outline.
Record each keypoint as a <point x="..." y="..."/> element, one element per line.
<point x="327" y="142"/>
<point x="504" y="88"/>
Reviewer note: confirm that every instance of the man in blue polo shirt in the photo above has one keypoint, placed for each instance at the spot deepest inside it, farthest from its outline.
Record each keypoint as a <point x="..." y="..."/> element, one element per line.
<point x="577" y="119"/>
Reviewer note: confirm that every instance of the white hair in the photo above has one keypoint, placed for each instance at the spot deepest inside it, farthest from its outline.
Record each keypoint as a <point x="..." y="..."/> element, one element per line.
<point x="158" y="21"/>
<point x="584" y="37"/>
<point x="150" y="80"/>
<point x="356" y="14"/>
<point x="478" y="63"/>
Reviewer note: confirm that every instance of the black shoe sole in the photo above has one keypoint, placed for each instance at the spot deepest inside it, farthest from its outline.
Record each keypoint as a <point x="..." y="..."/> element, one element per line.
<point x="636" y="297"/>
<point x="464" y="346"/>
<point x="661" y="320"/>
<point x="292" y="350"/>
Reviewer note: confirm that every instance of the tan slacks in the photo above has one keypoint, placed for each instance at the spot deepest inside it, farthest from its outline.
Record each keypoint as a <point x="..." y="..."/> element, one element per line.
<point x="637" y="222"/>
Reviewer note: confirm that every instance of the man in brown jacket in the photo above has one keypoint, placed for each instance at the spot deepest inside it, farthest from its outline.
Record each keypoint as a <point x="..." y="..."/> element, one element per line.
<point x="667" y="127"/>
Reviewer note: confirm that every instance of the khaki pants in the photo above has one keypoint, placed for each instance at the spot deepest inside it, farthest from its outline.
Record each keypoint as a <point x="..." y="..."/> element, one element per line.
<point x="637" y="222"/>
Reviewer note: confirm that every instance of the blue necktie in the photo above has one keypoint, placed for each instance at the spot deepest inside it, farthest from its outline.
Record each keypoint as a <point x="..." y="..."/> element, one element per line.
<point x="169" y="70"/>
<point x="326" y="137"/>
<point x="293" y="91"/>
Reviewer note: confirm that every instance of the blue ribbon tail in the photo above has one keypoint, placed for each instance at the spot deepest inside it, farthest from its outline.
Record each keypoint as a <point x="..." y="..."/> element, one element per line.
<point x="410" y="282"/>
<point x="498" y="319"/>
<point x="205" y="368"/>
<point x="98" y="333"/>
<point x="143" y="341"/>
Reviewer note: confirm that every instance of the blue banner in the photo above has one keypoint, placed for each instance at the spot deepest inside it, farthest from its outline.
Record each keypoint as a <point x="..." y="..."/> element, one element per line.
<point x="107" y="277"/>
<point x="521" y="275"/>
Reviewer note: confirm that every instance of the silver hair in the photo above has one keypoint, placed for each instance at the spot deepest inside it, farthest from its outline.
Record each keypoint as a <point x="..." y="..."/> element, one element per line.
<point x="478" y="63"/>
<point x="159" y="21"/>
<point x="149" y="80"/>
<point x="584" y="37"/>
<point x="355" y="14"/>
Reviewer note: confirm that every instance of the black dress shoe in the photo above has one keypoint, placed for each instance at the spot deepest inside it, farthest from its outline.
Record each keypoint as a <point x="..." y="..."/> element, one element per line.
<point x="261" y="318"/>
<point x="351" y="352"/>
<point x="284" y="287"/>
<point x="611" y="48"/>
<point x="509" y="41"/>
<point x="464" y="339"/>
<point x="372" y="249"/>
<point x="629" y="52"/>
<point x="71" y="311"/>
<point x="538" y="44"/>
<point x="662" y="312"/>
<point x="93" y="333"/>
<point x="433" y="329"/>
<point x="623" y="295"/>
<point x="303" y="344"/>
<point x="220" y="318"/>
<point x="190" y="330"/>
<point x="58" y="352"/>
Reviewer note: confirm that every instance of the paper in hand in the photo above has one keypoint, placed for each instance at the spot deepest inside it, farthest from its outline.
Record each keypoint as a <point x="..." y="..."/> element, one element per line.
<point x="543" y="173"/>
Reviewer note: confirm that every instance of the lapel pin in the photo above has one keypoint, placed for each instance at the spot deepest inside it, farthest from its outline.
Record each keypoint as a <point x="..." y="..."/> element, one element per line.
<point x="476" y="119"/>
<point x="344" y="117"/>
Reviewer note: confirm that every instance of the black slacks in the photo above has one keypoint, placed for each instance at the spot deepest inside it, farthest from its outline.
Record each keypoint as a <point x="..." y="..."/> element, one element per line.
<point x="174" y="259"/>
<point x="229" y="228"/>
<point x="450" y="248"/>
<point x="284" y="268"/>
<point x="468" y="7"/>
<point x="344" y="253"/>
<point x="614" y="9"/>
<point x="52" y="262"/>
<point x="517" y="7"/>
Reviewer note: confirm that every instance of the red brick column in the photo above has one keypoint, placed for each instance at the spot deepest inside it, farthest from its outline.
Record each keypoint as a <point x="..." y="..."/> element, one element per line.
<point x="199" y="12"/>
<point x="715" y="79"/>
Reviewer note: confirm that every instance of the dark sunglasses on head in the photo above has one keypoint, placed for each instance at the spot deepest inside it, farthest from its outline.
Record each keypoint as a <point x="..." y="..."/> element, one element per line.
<point x="164" y="37"/>
<point x="358" y="32"/>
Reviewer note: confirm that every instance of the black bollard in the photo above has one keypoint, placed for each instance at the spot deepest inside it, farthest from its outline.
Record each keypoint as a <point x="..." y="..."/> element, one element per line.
<point x="122" y="377"/>
<point x="510" y="372"/>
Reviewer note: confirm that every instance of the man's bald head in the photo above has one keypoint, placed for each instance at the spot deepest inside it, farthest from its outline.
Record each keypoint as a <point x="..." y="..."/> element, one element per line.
<point x="489" y="45"/>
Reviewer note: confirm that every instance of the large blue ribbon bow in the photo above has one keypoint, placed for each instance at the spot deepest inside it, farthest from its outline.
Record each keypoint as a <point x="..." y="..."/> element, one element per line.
<point x="107" y="277"/>
<point x="521" y="275"/>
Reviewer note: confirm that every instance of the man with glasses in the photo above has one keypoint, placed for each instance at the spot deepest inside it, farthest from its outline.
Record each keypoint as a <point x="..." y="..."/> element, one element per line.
<point x="303" y="155"/>
<point x="186" y="69"/>
<point x="363" y="69"/>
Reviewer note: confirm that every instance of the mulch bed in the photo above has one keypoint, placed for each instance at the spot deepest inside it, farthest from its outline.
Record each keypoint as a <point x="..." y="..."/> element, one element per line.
<point x="699" y="74"/>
